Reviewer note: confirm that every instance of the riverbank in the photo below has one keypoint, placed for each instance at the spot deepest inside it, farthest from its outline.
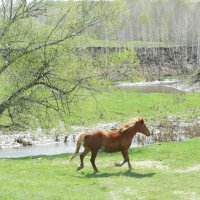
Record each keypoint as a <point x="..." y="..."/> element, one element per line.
<point x="162" y="86"/>
<point x="41" y="144"/>
<point x="40" y="137"/>
<point x="173" y="167"/>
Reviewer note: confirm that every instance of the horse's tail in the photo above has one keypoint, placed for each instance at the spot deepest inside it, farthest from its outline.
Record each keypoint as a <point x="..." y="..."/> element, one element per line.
<point x="79" y="142"/>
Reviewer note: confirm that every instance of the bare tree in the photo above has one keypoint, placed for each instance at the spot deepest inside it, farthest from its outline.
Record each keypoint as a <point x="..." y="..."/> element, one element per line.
<point x="41" y="61"/>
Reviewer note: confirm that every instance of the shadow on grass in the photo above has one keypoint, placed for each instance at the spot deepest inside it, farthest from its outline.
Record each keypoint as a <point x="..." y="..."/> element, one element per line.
<point x="48" y="157"/>
<point x="126" y="173"/>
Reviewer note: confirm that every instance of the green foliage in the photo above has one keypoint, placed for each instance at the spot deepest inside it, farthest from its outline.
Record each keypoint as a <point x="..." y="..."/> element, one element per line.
<point x="118" y="65"/>
<point x="125" y="57"/>
<point x="42" y="71"/>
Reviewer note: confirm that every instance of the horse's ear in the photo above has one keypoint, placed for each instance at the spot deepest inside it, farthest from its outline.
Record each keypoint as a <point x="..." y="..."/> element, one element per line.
<point x="141" y="121"/>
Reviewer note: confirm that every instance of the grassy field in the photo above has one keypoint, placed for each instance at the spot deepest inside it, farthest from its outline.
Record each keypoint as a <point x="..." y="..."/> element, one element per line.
<point x="122" y="105"/>
<point x="112" y="43"/>
<point x="166" y="171"/>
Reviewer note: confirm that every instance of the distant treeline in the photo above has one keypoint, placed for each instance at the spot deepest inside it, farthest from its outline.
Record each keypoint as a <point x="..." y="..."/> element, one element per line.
<point x="173" y="22"/>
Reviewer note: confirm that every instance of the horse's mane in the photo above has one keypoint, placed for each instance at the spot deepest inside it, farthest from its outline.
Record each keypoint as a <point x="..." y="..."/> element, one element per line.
<point x="129" y="124"/>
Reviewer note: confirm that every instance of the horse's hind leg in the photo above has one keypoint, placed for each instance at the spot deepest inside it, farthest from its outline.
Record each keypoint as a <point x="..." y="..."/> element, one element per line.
<point x="81" y="159"/>
<point x="94" y="154"/>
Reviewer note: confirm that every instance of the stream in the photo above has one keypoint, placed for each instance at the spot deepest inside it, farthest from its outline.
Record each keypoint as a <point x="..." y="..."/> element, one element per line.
<point x="50" y="149"/>
<point x="45" y="149"/>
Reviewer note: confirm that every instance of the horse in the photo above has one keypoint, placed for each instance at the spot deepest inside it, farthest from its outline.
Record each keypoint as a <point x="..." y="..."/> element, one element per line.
<point x="109" y="141"/>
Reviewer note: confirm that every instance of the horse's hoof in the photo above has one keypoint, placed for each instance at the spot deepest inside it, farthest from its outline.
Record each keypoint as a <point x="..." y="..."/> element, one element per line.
<point x="117" y="164"/>
<point x="79" y="168"/>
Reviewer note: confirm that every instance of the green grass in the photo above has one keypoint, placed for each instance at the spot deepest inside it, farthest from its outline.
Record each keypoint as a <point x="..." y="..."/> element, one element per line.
<point x="112" y="43"/>
<point x="121" y="105"/>
<point x="163" y="171"/>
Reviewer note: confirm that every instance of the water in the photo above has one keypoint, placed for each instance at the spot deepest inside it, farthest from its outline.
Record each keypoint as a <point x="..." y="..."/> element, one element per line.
<point x="152" y="87"/>
<point x="53" y="149"/>
<point x="69" y="147"/>
<point x="151" y="83"/>
<point x="46" y="149"/>
<point x="155" y="89"/>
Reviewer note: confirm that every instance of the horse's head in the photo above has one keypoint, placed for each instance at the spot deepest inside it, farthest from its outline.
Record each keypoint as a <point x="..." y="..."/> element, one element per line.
<point x="137" y="125"/>
<point x="141" y="127"/>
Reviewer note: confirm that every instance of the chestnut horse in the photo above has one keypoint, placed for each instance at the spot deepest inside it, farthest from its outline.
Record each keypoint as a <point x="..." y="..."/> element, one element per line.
<point x="109" y="141"/>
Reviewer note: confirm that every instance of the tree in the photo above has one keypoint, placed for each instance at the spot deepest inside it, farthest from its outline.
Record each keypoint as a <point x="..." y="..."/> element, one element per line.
<point x="42" y="65"/>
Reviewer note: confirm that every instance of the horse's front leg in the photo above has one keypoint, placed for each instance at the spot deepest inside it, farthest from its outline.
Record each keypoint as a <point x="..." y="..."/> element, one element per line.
<point x="120" y="163"/>
<point x="126" y="159"/>
<point x="94" y="154"/>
